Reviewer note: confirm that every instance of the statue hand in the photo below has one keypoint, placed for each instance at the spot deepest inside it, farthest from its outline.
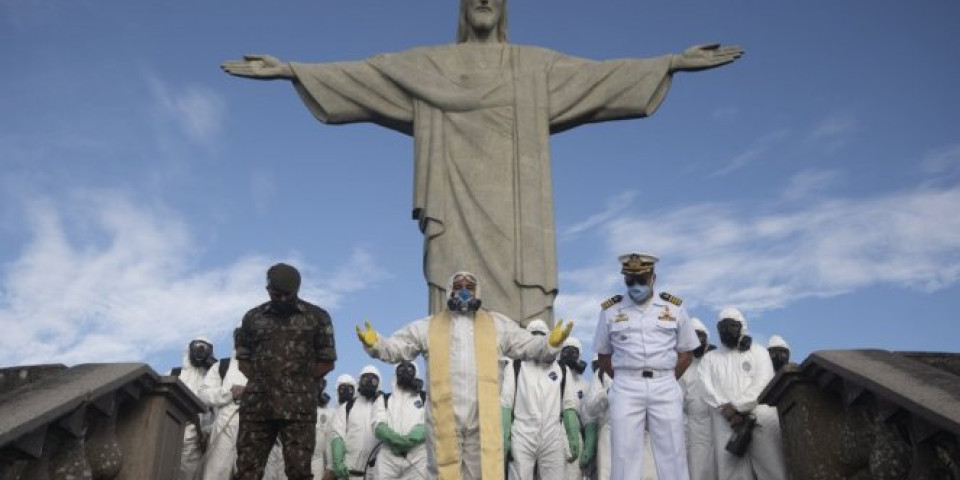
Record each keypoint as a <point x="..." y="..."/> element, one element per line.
<point x="260" y="67"/>
<point x="702" y="57"/>
<point x="559" y="333"/>
<point x="367" y="337"/>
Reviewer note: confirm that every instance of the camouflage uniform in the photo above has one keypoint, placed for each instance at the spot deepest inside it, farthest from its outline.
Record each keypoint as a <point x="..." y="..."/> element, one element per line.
<point x="281" y="394"/>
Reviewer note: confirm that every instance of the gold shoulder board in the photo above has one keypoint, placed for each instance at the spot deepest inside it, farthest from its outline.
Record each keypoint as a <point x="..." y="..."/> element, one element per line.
<point x="670" y="298"/>
<point x="611" y="301"/>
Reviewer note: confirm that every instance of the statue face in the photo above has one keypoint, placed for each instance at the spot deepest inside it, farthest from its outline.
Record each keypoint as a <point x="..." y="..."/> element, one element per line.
<point x="484" y="15"/>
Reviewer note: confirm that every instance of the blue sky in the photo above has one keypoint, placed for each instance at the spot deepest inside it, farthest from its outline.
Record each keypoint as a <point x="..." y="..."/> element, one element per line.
<point x="815" y="183"/>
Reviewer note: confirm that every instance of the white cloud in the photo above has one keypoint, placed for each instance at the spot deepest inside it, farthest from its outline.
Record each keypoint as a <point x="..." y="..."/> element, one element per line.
<point x="942" y="162"/>
<point x="753" y="153"/>
<point x="197" y="111"/>
<point x="834" y="131"/>
<point x="809" y="182"/>
<point x="614" y="206"/>
<point x="722" y="254"/>
<point x="102" y="278"/>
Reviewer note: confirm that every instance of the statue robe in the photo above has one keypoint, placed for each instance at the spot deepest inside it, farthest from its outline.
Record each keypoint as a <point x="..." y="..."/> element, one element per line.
<point x="481" y="116"/>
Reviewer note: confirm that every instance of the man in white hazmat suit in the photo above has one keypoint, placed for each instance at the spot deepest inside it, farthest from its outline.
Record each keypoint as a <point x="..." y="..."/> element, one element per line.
<point x="197" y="360"/>
<point x="352" y="439"/>
<point x="400" y="426"/>
<point x="543" y="407"/>
<point x="596" y="420"/>
<point x="779" y="351"/>
<point x="570" y="360"/>
<point x="700" y="451"/>
<point x="223" y="394"/>
<point x="320" y="462"/>
<point x="462" y="346"/>
<point x="733" y="377"/>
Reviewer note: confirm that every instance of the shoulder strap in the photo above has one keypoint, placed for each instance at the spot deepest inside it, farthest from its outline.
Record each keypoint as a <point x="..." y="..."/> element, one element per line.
<point x="563" y="382"/>
<point x="224" y="365"/>
<point x="423" y="396"/>
<point x="386" y="399"/>
<point x="516" y="372"/>
<point x="176" y="371"/>
<point x="350" y="407"/>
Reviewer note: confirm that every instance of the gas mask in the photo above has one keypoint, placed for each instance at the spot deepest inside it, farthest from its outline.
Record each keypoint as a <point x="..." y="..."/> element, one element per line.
<point x="731" y="335"/>
<point x="345" y="393"/>
<point x="201" y="354"/>
<point x="407" y="376"/>
<point x="779" y="356"/>
<point x="463" y="301"/>
<point x="322" y="398"/>
<point x="369" y="383"/>
<point x="570" y="357"/>
<point x="702" y="349"/>
<point x="595" y="365"/>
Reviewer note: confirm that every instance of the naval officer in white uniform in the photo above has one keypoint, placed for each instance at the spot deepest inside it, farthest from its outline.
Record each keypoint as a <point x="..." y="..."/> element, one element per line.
<point x="644" y="341"/>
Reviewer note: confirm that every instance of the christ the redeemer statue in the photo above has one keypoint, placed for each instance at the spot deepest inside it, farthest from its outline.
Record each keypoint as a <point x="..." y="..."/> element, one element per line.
<point x="481" y="112"/>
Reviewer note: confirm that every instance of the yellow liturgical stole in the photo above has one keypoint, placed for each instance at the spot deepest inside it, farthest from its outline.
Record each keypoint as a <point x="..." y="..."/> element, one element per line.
<point x="486" y="355"/>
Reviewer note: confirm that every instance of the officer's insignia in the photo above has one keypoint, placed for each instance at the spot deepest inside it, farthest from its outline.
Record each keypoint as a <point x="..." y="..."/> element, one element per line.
<point x="553" y="376"/>
<point x="746" y="366"/>
<point x="418" y="404"/>
<point x="671" y="298"/>
<point x="666" y="315"/>
<point x="611" y="301"/>
<point x="621" y="317"/>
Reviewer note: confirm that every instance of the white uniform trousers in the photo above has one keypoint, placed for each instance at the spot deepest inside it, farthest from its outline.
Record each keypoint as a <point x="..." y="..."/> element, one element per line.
<point x="764" y="458"/>
<point x="700" y="450"/>
<point x="603" y="452"/>
<point x="636" y="400"/>
<point x="649" y="464"/>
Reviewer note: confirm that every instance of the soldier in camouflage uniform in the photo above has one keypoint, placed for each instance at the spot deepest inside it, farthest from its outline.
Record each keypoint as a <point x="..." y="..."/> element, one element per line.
<point x="284" y="347"/>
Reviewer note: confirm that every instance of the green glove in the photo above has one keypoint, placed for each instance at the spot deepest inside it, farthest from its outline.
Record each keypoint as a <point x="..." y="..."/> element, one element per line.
<point x="338" y="451"/>
<point x="417" y="435"/>
<point x="398" y="444"/>
<point x="589" y="444"/>
<point x="571" y="423"/>
<point x="506" y="418"/>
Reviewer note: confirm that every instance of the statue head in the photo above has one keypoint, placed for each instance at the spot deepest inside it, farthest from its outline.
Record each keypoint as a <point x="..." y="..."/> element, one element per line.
<point x="482" y="19"/>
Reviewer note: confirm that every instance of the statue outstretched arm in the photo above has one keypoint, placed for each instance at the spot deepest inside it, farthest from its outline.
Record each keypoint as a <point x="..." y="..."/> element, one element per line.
<point x="259" y="67"/>
<point x="703" y="57"/>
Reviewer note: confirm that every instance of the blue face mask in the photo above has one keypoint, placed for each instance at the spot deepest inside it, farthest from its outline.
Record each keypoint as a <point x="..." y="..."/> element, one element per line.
<point x="639" y="293"/>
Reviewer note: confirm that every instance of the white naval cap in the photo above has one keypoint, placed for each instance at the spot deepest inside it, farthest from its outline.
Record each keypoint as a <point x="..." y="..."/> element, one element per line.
<point x="778" y="341"/>
<point x="637" y="263"/>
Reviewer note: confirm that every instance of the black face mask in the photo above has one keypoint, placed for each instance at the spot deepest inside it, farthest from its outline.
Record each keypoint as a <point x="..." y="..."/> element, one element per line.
<point x="731" y="336"/>
<point x="345" y="393"/>
<point x="407" y="376"/>
<point x="595" y="365"/>
<point x="779" y="356"/>
<point x="570" y="356"/>
<point x="201" y="354"/>
<point x="702" y="349"/>
<point x="368" y="385"/>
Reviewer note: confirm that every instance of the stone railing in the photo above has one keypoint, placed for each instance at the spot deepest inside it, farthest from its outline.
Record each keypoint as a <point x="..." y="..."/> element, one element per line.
<point x="92" y="421"/>
<point x="870" y="414"/>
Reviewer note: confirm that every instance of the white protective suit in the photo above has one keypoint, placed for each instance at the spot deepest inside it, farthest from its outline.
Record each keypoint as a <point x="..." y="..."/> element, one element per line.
<point x="191" y="455"/>
<point x="321" y="461"/>
<point x="512" y="341"/>
<point x="778" y="341"/>
<point x="221" y="453"/>
<point x="598" y="410"/>
<point x="401" y="413"/>
<point x="579" y="385"/>
<point x="356" y="428"/>
<point x="701" y="457"/>
<point x="538" y="438"/>
<point x="731" y="376"/>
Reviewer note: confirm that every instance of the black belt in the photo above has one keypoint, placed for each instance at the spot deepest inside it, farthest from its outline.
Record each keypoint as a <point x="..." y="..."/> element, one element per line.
<point x="646" y="373"/>
<point x="357" y="473"/>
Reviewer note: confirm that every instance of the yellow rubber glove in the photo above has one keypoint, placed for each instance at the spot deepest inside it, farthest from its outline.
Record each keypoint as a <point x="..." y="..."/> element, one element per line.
<point x="559" y="333"/>
<point x="369" y="336"/>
